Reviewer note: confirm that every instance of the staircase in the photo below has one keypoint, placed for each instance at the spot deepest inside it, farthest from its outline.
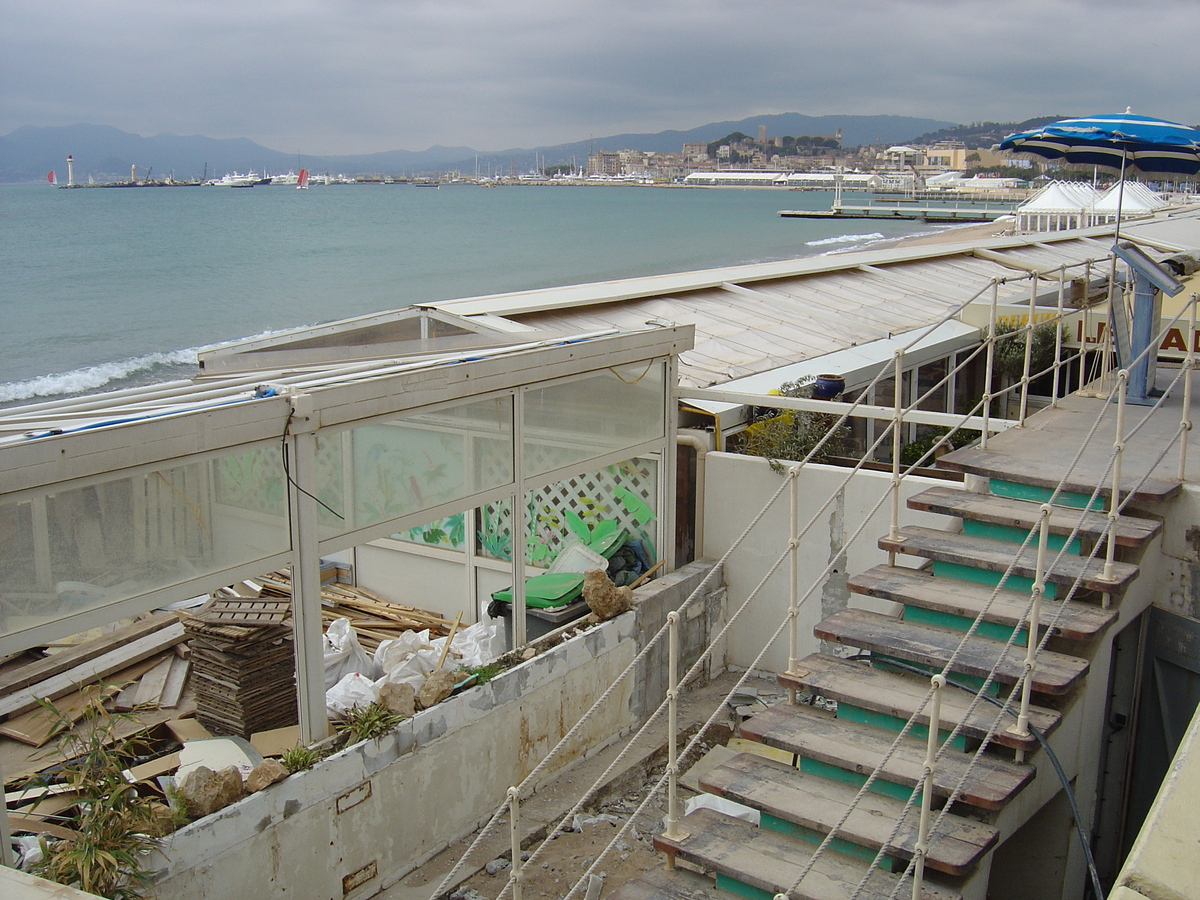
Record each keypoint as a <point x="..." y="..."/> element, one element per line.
<point x="876" y="690"/>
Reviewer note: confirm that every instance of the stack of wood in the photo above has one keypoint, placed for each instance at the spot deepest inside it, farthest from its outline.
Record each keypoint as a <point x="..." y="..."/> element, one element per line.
<point x="243" y="665"/>
<point x="373" y="618"/>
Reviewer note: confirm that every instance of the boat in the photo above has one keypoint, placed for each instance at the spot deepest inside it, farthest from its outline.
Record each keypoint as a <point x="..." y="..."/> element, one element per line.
<point x="250" y="179"/>
<point x="289" y="178"/>
<point x="302" y="180"/>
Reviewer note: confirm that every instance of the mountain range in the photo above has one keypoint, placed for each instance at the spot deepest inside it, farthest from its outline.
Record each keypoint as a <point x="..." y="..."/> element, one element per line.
<point x="104" y="152"/>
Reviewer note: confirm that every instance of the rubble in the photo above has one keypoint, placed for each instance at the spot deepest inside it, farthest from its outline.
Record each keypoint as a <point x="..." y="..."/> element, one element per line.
<point x="204" y="791"/>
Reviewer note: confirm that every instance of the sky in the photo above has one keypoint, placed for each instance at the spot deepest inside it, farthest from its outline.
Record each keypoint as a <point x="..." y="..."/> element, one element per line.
<point x="360" y="76"/>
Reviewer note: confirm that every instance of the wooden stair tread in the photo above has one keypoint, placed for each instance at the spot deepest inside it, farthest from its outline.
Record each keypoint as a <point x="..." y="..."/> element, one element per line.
<point x="1037" y="459"/>
<point x="668" y="884"/>
<point x="817" y="803"/>
<point x="897" y="694"/>
<point x="859" y="748"/>
<point x="996" y="556"/>
<point x="929" y="645"/>
<point x="917" y="587"/>
<point x="1023" y="514"/>
<point x="771" y="862"/>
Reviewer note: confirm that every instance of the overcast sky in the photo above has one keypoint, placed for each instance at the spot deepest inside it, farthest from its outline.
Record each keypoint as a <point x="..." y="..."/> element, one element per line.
<point x="357" y="76"/>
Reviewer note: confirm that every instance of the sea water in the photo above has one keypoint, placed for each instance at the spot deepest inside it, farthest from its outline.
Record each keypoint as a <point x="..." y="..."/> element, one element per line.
<point x="109" y="288"/>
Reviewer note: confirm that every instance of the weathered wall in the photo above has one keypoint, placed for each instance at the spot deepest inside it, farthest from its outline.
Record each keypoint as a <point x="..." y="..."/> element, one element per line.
<point x="378" y="809"/>
<point x="736" y="488"/>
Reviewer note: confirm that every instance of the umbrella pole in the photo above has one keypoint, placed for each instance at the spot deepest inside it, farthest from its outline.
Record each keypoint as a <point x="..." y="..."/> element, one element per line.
<point x="1120" y="197"/>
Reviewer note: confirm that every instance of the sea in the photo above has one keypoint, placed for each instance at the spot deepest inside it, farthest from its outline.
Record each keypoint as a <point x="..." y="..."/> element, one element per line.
<point x="105" y="289"/>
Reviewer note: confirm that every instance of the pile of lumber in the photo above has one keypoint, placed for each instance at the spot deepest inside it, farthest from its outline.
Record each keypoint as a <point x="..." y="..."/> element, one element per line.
<point x="373" y="618"/>
<point x="136" y="659"/>
<point x="243" y="665"/>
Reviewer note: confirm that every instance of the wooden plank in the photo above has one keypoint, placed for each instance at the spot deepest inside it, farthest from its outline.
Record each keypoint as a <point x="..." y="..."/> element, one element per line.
<point x="771" y="862"/>
<point x="859" y="748"/>
<point x="1131" y="531"/>
<point x="49" y="805"/>
<point x="153" y="768"/>
<point x="101" y="666"/>
<point x="928" y="645"/>
<point x="997" y="556"/>
<point x="34" y="825"/>
<point x="899" y="695"/>
<point x="276" y="741"/>
<point x="151" y="686"/>
<point x="69" y="659"/>
<point x="184" y="730"/>
<point x="917" y="587"/>
<point x="37" y="726"/>
<point x="175" y="683"/>
<point x="249" y="610"/>
<point x="818" y="804"/>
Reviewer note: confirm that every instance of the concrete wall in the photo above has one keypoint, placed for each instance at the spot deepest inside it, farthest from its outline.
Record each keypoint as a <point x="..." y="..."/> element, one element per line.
<point x="736" y="487"/>
<point x="375" y="811"/>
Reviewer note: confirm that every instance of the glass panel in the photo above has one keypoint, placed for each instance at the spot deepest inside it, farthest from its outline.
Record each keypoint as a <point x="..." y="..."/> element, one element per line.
<point x="579" y="420"/>
<point x="417" y="462"/>
<point x="77" y="549"/>
<point x="930" y="381"/>
<point x="625" y="493"/>
<point x="448" y="533"/>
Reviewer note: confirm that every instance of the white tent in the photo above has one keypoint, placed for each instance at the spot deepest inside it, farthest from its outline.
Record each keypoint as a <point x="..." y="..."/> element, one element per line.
<point x="1138" y="201"/>
<point x="1058" y="206"/>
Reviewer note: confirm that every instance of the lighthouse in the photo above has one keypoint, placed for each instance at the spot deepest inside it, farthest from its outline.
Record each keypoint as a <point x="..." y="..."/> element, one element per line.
<point x="70" y="171"/>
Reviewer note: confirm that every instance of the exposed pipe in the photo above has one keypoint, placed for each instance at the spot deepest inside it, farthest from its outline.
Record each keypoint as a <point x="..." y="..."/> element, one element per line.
<point x="701" y="448"/>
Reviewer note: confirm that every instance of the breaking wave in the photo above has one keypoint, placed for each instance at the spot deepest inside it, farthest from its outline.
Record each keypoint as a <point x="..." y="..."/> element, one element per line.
<point x="92" y="378"/>
<point x="846" y="239"/>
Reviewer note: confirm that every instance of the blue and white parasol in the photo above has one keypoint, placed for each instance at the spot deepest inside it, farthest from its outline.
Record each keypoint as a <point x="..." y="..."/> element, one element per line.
<point x="1122" y="141"/>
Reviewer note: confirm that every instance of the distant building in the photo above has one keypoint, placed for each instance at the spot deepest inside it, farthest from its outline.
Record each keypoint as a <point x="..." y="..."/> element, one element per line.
<point x="695" y="152"/>
<point x="762" y="134"/>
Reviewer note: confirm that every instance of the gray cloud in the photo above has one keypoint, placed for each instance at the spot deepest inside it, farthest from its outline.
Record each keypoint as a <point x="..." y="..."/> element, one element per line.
<point x="357" y="76"/>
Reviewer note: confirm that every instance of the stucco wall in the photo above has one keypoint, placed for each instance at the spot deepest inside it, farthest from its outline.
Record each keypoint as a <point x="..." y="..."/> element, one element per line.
<point x="736" y="487"/>
<point x="377" y="810"/>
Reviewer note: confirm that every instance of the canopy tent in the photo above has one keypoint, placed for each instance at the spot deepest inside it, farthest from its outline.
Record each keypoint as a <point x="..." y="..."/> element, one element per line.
<point x="1059" y="206"/>
<point x="1136" y="201"/>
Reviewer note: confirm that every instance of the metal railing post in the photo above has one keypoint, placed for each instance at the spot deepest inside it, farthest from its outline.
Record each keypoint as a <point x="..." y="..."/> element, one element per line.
<point x="897" y="423"/>
<point x="794" y="585"/>
<point x="1021" y="727"/>
<point x="1025" y="373"/>
<point x="1185" y="423"/>
<point x="931" y="748"/>
<point x="991" y="365"/>
<point x="1058" y="334"/>
<point x="1083" y="335"/>
<point x="672" y="831"/>
<point x="1114" y="503"/>
<point x="514" y="829"/>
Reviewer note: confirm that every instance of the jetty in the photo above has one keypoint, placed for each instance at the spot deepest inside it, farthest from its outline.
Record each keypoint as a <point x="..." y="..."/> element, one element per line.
<point x="941" y="214"/>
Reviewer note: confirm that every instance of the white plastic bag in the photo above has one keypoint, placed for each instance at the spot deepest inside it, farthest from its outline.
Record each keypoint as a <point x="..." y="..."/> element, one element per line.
<point x="344" y="654"/>
<point x="721" y="805"/>
<point x="353" y="690"/>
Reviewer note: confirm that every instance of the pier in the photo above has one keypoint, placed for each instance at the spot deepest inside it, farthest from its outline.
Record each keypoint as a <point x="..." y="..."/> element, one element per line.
<point x="938" y="214"/>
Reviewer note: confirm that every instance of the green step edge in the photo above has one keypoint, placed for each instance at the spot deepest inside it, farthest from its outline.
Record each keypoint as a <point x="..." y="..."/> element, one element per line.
<point x="811" y="836"/>
<point x="1017" y="491"/>
<point x="993" y="630"/>
<point x="741" y="889"/>
<point x="1018" y="583"/>
<point x="887" y="722"/>
<point x="881" y="660"/>
<point x="854" y="779"/>
<point x="1014" y="535"/>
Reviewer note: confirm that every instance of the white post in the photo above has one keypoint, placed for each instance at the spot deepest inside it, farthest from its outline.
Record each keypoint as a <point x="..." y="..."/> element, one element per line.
<point x="1185" y="424"/>
<point x="1114" y="514"/>
<point x="520" y="524"/>
<point x="1025" y="373"/>
<point x="301" y="449"/>
<point x="794" y="586"/>
<point x="931" y="748"/>
<point x="1058" y="334"/>
<point x="1021" y="727"/>
<point x="514" y="831"/>
<point x="897" y="423"/>
<point x="673" y="832"/>
<point x="1087" y="309"/>
<point x="991" y="365"/>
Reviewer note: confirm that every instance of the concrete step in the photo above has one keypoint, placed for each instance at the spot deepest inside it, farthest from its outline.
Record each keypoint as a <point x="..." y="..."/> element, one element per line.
<point x="669" y="884"/>
<point x="808" y="807"/>
<point x="996" y="556"/>
<point x="963" y="599"/>
<point x="746" y="856"/>
<point x="849" y="751"/>
<point x="889" y="699"/>
<point x="1023" y="515"/>
<point x="928" y="645"/>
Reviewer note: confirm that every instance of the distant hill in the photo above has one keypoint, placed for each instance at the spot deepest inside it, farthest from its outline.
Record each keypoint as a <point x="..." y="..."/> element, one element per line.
<point x="984" y="134"/>
<point x="103" y="152"/>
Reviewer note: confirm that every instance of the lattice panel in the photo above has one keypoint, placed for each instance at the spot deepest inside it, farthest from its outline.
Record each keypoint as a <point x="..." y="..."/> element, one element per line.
<point x="626" y="492"/>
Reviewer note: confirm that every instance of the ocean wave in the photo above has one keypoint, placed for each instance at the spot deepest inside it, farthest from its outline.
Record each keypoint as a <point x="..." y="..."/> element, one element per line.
<point x="91" y="378"/>
<point x="846" y="239"/>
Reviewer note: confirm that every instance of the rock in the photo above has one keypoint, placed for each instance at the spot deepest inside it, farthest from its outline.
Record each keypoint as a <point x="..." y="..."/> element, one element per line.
<point x="466" y="893"/>
<point x="603" y="597"/>
<point x="205" y="791"/>
<point x="398" y="698"/>
<point x="437" y="687"/>
<point x="496" y="865"/>
<point x="265" y="774"/>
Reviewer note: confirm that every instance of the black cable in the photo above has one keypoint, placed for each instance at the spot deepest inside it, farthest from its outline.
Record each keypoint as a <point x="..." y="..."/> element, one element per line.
<point x="288" y="474"/>
<point x="1041" y="739"/>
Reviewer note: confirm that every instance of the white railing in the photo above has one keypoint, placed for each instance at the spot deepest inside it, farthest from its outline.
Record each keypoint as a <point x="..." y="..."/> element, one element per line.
<point x="1015" y="705"/>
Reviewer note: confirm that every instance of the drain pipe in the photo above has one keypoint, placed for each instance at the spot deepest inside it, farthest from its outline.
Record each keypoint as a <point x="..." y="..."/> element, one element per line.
<point x="701" y="448"/>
